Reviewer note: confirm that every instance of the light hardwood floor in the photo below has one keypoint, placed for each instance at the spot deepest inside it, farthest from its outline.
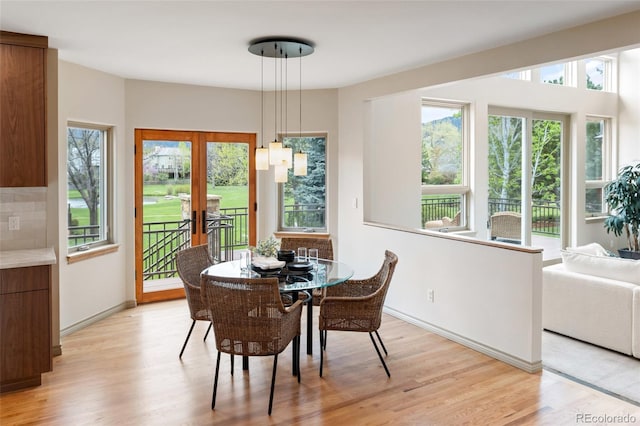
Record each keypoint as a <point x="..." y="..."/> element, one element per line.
<point x="125" y="370"/>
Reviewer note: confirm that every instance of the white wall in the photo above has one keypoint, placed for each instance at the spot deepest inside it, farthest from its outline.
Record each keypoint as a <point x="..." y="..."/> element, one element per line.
<point x="92" y="286"/>
<point x="487" y="297"/>
<point x="629" y="134"/>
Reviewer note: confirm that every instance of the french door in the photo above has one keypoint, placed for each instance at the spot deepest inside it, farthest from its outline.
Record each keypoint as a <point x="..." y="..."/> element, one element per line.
<point x="191" y="188"/>
<point x="526" y="176"/>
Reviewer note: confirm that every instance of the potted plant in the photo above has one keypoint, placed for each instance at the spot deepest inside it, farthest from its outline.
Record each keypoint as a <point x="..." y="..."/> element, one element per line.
<point x="266" y="248"/>
<point x="623" y="197"/>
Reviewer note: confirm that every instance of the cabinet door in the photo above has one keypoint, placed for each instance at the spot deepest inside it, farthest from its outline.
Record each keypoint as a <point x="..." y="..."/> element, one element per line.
<point x="26" y="343"/>
<point x="25" y="324"/>
<point x="22" y="116"/>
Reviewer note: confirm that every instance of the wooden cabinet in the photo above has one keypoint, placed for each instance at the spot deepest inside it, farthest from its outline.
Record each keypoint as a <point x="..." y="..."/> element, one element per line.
<point x="23" y="110"/>
<point x="25" y="326"/>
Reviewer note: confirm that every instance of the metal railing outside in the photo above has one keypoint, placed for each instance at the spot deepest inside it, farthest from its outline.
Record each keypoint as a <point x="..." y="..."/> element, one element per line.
<point x="304" y="216"/>
<point x="79" y="235"/>
<point x="546" y="214"/>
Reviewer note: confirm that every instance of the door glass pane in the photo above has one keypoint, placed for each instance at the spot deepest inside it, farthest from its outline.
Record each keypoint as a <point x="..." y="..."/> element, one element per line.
<point x="166" y="210"/>
<point x="505" y="178"/>
<point x="545" y="182"/>
<point x="227" y="199"/>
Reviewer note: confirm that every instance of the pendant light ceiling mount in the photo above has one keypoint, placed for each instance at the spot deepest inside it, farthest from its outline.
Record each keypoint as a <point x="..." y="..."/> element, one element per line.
<point x="280" y="47"/>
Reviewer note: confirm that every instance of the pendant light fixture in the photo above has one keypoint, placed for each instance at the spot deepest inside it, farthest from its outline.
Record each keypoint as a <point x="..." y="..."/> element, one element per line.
<point x="300" y="158"/>
<point x="262" y="153"/>
<point x="277" y="155"/>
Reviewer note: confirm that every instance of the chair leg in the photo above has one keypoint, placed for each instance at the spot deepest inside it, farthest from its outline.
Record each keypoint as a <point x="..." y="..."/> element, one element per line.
<point x="273" y="381"/>
<point x="379" y="354"/>
<point x="215" y="382"/>
<point x="298" y="356"/>
<point x="381" y="344"/>
<point x="187" y="339"/>
<point x="232" y="358"/>
<point x="208" y="330"/>
<point x="323" y="337"/>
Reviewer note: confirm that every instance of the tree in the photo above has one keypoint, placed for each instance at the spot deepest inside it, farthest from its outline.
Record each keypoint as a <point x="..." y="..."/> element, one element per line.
<point x="545" y="167"/>
<point x="228" y="164"/>
<point x="505" y="157"/>
<point x="441" y="152"/>
<point x="309" y="189"/>
<point x="83" y="167"/>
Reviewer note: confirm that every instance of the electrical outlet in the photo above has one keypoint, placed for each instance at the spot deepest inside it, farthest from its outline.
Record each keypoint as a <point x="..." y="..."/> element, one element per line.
<point x="14" y="223"/>
<point x="430" y="295"/>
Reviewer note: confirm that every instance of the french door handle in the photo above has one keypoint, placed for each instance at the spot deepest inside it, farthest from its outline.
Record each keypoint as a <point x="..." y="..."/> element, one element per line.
<point x="204" y="221"/>
<point x="193" y="222"/>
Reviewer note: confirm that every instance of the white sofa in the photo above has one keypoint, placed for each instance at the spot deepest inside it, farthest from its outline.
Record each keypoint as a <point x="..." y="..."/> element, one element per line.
<point x="595" y="298"/>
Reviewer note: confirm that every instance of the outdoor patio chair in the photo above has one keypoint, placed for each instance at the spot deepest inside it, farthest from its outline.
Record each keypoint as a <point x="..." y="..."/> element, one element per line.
<point x="249" y="319"/>
<point x="356" y="305"/>
<point x="506" y="226"/>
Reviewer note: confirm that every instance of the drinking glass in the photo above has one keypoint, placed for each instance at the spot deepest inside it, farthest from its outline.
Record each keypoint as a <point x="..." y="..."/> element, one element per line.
<point x="302" y="253"/>
<point x="313" y="257"/>
<point x="245" y="260"/>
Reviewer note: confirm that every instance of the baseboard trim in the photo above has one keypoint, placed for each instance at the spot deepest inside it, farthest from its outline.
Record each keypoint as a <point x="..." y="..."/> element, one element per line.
<point x="529" y="367"/>
<point x="97" y="317"/>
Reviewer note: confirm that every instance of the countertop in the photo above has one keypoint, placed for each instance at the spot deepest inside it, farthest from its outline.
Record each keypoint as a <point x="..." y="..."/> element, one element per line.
<point x="28" y="257"/>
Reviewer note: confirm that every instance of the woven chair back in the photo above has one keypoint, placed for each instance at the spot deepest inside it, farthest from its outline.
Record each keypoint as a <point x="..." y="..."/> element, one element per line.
<point x="324" y="245"/>
<point x="190" y="262"/>
<point x="248" y="316"/>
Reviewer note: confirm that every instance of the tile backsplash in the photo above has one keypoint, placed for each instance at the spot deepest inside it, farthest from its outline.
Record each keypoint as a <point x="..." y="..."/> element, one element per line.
<point x="26" y="209"/>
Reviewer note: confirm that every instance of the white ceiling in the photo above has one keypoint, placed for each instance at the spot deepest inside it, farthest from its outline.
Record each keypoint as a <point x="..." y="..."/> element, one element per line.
<point x="205" y="42"/>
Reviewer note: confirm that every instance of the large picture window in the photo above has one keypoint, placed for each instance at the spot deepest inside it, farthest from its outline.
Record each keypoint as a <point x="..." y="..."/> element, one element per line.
<point x="303" y="198"/>
<point x="88" y="206"/>
<point x="444" y="176"/>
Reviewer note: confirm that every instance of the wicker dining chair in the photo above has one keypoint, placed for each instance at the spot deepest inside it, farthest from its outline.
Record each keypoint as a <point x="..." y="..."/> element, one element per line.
<point x="190" y="262"/>
<point x="356" y="305"/>
<point x="249" y="319"/>
<point x="325" y="251"/>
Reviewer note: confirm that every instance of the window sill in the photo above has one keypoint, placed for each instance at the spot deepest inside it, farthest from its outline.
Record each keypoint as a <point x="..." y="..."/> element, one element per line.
<point x="595" y="219"/>
<point x="89" y="254"/>
<point x="281" y="234"/>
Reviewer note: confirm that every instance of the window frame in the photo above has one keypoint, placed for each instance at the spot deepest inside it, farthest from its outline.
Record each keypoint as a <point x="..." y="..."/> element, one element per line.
<point x="281" y="211"/>
<point x="106" y="203"/>
<point x="463" y="189"/>
<point x="607" y="165"/>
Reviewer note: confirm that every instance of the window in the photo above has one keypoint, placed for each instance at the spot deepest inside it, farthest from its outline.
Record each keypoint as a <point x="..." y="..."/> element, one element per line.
<point x="444" y="171"/>
<point x="598" y="73"/>
<point x="88" y="190"/>
<point x="553" y="74"/>
<point x="518" y="75"/>
<point x="597" y="158"/>
<point x="303" y="198"/>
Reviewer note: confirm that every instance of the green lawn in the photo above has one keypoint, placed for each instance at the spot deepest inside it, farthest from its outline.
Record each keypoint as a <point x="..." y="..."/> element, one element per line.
<point x="168" y="209"/>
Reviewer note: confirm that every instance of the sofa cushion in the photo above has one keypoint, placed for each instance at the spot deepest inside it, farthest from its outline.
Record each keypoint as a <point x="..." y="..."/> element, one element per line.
<point x="592" y="248"/>
<point x="615" y="268"/>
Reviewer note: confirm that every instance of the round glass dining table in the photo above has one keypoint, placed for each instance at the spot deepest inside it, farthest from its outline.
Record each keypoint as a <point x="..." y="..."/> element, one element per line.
<point x="326" y="273"/>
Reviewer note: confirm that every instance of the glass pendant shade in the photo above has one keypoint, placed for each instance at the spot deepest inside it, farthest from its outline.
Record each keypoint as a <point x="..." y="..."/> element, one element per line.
<point x="287" y="157"/>
<point x="300" y="164"/>
<point x="275" y="153"/>
<point x="281" y="172"/>
<point x="262" y="158"/>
